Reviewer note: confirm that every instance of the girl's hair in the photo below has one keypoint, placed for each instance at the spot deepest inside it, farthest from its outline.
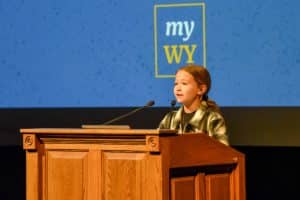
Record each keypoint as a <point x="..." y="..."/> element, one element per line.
<point x="201" y="76"/>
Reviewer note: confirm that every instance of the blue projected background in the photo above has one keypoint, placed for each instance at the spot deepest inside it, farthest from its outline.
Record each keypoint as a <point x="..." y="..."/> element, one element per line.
<point x="101" y="53"/>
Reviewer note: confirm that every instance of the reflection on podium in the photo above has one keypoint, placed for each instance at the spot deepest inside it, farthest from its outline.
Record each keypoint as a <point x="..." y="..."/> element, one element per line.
<point x="134" y="164"/>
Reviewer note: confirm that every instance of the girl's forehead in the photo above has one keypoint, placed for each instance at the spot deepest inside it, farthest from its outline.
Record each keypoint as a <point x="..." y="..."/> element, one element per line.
<point x="183" y="75"/>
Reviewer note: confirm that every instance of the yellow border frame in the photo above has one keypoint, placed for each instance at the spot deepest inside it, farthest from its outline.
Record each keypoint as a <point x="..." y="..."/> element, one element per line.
<point x="202" y="4"/>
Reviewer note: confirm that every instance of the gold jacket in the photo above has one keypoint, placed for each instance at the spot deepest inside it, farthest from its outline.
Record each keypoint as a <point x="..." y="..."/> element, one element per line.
<point x="205" y="120"/>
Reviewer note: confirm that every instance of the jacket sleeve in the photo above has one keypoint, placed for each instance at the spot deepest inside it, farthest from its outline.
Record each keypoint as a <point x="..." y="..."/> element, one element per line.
<point x="217" y="128"/>
<point x="165" y="123"/>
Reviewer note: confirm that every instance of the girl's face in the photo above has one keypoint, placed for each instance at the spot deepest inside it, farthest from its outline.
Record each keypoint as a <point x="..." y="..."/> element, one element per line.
<point x="186" y="89"/>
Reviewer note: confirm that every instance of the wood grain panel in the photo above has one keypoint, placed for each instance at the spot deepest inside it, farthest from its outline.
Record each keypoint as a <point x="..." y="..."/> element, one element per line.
<point x="123" y="175"/>
<point x="32" y="174"/>
<point x="218" y="187"/>
<point x="183" y="188"/>
<point x="200" y="188"/>
<point x="66" y="175"/>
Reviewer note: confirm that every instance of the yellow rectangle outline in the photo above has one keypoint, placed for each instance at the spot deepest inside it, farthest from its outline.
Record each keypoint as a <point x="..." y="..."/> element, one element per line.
<point x="201" y="4"/>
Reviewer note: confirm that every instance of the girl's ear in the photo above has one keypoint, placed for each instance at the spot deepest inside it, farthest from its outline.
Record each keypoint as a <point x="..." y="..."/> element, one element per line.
<point x="202" y="89"/>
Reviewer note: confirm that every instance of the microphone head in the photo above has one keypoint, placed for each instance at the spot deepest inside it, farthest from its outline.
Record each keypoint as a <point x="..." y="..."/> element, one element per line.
<point x="150" y="103"/>
<point x="173" y="103"/>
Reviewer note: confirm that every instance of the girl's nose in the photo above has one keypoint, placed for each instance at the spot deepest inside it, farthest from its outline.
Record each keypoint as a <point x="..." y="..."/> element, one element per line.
<point x="177" y="88"/>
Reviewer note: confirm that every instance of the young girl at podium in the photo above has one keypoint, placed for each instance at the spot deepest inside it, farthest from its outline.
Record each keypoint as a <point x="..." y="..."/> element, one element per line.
<point x="198" y="113"/>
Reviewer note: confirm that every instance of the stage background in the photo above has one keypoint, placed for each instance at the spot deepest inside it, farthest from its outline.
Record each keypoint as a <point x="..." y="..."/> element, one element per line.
<point x="101" y="53"/>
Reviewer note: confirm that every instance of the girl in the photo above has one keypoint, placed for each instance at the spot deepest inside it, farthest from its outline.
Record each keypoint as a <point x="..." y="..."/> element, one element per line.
<point x="197" y="113"/>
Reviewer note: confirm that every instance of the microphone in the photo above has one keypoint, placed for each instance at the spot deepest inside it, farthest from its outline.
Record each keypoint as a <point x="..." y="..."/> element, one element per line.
<point x="173" y="103"/>
<point x="149" y="104"/>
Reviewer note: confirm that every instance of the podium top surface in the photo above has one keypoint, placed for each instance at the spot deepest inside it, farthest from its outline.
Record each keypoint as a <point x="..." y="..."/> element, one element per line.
<point x="97" y="131"/>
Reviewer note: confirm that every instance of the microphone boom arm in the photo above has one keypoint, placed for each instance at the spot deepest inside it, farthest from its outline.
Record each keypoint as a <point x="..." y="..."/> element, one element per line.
<point x="149" y="104"/>
<point x="123" y="116"/>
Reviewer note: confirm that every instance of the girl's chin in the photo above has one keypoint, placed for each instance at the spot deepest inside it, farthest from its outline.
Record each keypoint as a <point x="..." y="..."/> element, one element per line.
<point x="179" y="101"/>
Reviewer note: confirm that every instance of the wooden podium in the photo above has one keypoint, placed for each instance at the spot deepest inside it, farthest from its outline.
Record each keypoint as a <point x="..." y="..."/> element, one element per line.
<point x="127" y="164"/>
